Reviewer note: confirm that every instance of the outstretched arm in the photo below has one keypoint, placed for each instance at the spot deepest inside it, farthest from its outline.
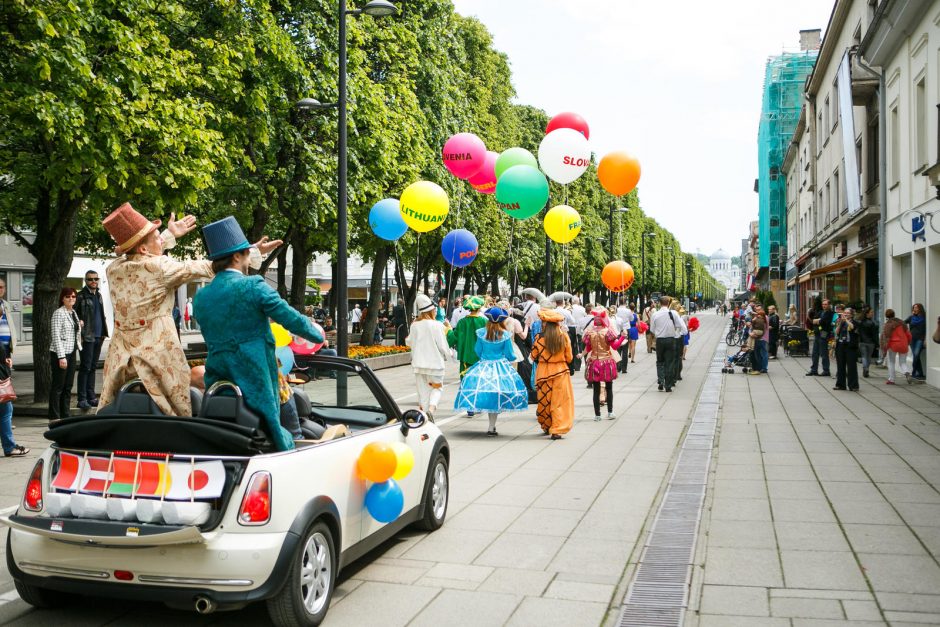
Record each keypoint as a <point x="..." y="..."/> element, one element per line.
<point x="278" y="310"/>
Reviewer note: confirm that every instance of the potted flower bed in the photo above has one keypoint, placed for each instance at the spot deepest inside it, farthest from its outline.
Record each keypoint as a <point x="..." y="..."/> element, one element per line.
<point x="379" y="357"/>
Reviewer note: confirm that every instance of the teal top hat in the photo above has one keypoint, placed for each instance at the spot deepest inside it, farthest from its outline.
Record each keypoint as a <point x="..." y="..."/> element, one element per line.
<point x="224" y="237"/>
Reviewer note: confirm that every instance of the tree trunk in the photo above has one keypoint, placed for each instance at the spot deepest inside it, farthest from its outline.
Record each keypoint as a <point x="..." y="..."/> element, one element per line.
<point x="375" y="297"/>
<point x="298" y="283"/>
<point x="282" y="272"/>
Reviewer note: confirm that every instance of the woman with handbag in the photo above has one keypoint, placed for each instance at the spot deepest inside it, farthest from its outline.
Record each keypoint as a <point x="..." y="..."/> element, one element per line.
<point x="7" y="396"/>
<point x="895" y="339"/>
<point x="66" y="340"/>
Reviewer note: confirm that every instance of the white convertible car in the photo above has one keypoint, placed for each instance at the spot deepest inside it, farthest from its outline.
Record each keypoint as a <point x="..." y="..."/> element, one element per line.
<point x="199" y="513"/>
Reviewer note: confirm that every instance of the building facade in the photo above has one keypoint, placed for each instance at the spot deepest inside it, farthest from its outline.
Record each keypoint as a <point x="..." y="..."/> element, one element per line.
<point x="903" y="41"/>
<point x="725" y="272"/>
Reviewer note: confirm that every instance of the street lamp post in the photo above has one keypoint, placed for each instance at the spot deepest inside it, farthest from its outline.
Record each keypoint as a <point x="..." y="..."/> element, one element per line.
<point x="610" y="247"/>
<point x="645" y="285"/>
<point x="375" y="8"/>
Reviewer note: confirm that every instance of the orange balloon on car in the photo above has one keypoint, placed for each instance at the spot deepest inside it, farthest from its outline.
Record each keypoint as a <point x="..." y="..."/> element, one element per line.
<point x="377" y="462"/>
<point x="617" y="276"/>
<point x="619" y="172"/>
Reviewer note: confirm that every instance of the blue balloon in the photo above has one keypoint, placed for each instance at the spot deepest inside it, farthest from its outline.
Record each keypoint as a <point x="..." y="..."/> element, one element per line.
<point x="459" y="248"/>
<point x="385" y="220"/>
<point x="286" y="356"/>
<point x="385" y="501"/>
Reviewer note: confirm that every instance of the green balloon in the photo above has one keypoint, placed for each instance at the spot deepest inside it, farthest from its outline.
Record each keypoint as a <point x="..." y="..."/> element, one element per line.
<point x="522" y="191"/>
<point x="514" y="156"/>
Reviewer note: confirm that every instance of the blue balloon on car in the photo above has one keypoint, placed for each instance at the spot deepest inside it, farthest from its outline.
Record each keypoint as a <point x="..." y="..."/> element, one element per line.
<point x="385" y="501"/>
<point x="286" y="357"/>
<point x="385" y="220"/>
<point x="460" y="248"/>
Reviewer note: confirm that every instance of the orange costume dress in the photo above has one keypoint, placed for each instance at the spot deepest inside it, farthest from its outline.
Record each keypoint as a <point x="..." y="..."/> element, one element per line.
<point x="555" y="410"/>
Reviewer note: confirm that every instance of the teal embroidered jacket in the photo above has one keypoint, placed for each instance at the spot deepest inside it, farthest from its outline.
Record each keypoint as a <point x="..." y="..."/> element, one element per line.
<point x="233" y="312"/>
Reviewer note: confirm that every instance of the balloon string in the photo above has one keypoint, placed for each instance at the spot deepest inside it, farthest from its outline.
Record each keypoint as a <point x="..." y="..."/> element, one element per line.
<point x="620" y="231"/>
<point x="415" y="279"/>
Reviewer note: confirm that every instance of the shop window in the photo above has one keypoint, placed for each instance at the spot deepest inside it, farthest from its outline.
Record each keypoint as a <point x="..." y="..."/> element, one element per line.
<point x="26" y="298"/>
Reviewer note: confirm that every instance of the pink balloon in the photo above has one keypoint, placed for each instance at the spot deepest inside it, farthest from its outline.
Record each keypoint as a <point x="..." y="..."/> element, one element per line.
<point x="301" y="346"/>
<point x="464" y="155"/>
<point x="484" y="181"/>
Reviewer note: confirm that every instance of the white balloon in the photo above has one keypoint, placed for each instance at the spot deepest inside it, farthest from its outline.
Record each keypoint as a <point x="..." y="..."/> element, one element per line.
<point x="564" y="155"/>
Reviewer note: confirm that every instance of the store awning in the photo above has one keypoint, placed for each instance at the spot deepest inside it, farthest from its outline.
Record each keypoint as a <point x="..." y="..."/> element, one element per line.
<point x="838" y="266"/>
<point x="803" y="278"/>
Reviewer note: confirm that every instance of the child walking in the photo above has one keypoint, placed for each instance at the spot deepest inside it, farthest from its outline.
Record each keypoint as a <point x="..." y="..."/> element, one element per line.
<point x="429" y="352"/>
<point x="552" y="351"/>
<point x="600" y="342"/>
<point x="491" y="384"/>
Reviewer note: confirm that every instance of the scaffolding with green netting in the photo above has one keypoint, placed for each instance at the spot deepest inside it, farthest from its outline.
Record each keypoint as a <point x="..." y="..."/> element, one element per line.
<point x="784" y="78"/>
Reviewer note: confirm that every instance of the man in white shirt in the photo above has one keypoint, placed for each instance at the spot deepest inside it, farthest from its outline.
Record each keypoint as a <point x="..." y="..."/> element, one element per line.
<point x="648" y="312"/>
<point x="530" y="309"/>
<point x="666" y="325"/>
<point x="578" y="313"/>
<point x="458" y="314"/>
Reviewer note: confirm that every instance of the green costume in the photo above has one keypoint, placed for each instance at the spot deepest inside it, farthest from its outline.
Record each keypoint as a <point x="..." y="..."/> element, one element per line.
<point x="464" y="339"/>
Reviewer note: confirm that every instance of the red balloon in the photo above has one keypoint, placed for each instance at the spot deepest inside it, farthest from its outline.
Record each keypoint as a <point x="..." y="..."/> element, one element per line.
<point x="569" y="120"/>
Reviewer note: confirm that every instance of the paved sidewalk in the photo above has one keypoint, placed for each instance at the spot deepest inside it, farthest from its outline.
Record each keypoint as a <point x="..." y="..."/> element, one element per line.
<point x="824" y="505"/>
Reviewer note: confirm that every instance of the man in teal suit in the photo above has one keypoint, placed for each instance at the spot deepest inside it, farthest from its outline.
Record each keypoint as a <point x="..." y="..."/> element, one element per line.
<point x="233" y="312"/>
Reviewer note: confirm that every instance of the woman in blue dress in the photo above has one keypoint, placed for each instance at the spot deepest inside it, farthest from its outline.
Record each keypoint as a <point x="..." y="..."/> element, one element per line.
<point x="491" y="384"/>
<point x="633" y="334"/>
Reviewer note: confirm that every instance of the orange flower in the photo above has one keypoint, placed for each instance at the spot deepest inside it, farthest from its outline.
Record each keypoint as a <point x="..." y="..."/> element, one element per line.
<point x="366" y="352"/>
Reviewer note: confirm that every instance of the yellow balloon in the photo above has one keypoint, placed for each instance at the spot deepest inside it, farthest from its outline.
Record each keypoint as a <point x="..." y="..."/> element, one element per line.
<point x="562" y="224"/>
<point x="424" y="206"/>
<point x="281" y="335"/>
<point x="406" y="460"/>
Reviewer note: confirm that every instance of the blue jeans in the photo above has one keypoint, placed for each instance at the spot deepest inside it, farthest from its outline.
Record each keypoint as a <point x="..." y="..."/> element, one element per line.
<point x="917" y="366"/>
<point x="820" y="349"/>
<point x="6" y="427"/>
<point x="90" y="352"/>
<point x="759" y="359"/>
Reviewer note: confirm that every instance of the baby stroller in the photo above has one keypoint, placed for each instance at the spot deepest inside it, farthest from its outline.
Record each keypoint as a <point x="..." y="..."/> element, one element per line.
<point x="742" y="359"/>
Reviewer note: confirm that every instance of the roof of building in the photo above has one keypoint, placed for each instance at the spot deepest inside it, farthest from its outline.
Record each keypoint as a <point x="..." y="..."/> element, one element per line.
<point x="720" y="254"/>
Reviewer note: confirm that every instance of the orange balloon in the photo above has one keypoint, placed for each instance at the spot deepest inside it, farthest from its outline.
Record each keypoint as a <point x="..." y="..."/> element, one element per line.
<point x="377" y="462"/>
<point x="617" y="276"/>
<point x="619" y="172"/>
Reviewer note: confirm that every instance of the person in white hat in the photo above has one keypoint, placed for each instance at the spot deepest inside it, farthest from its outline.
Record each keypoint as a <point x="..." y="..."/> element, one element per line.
<point x="429" y="353"/>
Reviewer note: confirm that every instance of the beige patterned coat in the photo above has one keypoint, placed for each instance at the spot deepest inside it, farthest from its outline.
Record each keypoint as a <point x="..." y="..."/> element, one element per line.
<point x="145" y="344"/>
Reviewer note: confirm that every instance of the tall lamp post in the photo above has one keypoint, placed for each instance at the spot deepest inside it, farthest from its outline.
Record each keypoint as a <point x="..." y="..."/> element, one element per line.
<point x="375" y="8"/>
<point x="645" y="285"/>
<point x="619" y="210"/>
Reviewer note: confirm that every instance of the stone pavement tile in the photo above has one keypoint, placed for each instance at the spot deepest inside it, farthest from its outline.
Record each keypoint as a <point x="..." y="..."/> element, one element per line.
<point x="592" y="481"/>
<point x="900" y="601"/>
<point x="529" y="477"/>
<point x="833" y="459"/>
<point x="866" y="512"/>
<point x="795" y="490"/>
<point x="741" y="535"/>
<point x="822" y="569"/>
<point x="802" y="536"/>
<point x="827" y="622"/>
<point x="840" y="473"/>
<point x="890" y="539"/>
<point x="741" y="488"/>
<point x="802" y="510"/>
<point x="806" y="608"/>
<point x="909" y="493"/>
<point x="786" y="459"/>
<point x="742" y="567"/>
<point x="592" y="556"/>
<point x="852" y="491"/>
<point x="772" y="446"/>
<point x="633" y="466"/>
<point x="734" y="600"/>
<point x="518" y="581"/>
<point x="507" y="494"/>
<point x="893" y="475"/>
<point x="521" y="551"/>
<point x="861" y="610"/>
<point x="930" y="536"/>
<point x="920" y="514"/>
<point x="399" y="603"/>
<point x="557" y="612"/>
<point x="580" y="591"/>
<point x="915" y="618"/>
<point x="601" y="525"/>
<point x="721" y="620"/>
<point x="343" y="588"/>
<point x="456" y="545"/>
<point x="466" y="572"/>
<point x="577" y="499"/>
<point x="483" y="517"/>
<point x="824" y="446"/>
<point x="472" y="608"/>
<point x="806" y="593"/>
<point x="739" y="471"/>
<point x="740" y="509"/>
<point x="546" y="522"/>
<point x="901" y="573"/>
<point x="733" y="457"/>
<point x="393" y="571"/>
<point x="775" y="472"/>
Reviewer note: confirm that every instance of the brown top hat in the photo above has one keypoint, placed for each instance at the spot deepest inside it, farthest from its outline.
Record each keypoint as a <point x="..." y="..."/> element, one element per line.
<point x="127" y="227"/>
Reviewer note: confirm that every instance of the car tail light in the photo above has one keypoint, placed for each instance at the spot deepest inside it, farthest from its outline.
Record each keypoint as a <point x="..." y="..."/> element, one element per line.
<point x="123" y="575"/>
<point x="32" y="498"/>
<point x="256" y="504"/>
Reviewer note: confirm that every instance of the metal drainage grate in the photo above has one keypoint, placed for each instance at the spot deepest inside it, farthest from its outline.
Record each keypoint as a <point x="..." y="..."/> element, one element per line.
<point x="658" y="594"/>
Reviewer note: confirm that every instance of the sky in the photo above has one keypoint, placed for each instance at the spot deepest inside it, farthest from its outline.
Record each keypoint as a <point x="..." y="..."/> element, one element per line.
<point x="678" y="83"/>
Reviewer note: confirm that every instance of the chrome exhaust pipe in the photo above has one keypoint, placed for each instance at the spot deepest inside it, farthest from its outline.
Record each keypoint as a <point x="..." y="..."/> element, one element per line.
<point x="205" y="605"/>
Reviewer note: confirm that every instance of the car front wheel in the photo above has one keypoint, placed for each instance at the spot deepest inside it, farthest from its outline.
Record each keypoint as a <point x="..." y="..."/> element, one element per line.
<point x="436" y="496"/>
<point x="305" y="598"/>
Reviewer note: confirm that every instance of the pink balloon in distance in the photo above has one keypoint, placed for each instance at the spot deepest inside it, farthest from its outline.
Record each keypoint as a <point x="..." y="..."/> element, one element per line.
<point x="569" y="120"/>
<point x="301" y="346"/>
<point x="464" y="154"/>
<point x="484" y="181"/>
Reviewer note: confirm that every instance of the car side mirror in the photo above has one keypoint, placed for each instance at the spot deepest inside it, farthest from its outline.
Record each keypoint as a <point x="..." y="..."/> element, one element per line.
<point x="412" y="419"/>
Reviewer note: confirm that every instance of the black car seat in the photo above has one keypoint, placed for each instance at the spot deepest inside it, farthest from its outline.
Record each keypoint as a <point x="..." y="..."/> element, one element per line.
<point x="312" y="430"/>
<point x="132" y="398"/>
<point x="223" y="401"/>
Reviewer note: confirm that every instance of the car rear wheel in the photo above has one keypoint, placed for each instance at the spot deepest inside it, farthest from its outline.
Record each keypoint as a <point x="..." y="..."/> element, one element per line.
<point x="305" y="598"/>
<point x="436" y="496"/>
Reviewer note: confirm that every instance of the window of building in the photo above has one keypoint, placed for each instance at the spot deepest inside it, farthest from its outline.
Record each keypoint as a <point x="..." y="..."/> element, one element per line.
<point x="835" y="105"/>
<point x="837" y="194"/>
<point x="817" y="221"/>
<point x="894" y="133"/>
<point x="819" y="133"/>
<point x="827" y="202"/>
<point x="872" y="173"/>
<point x="825" y="127"/>
<point x="920" y="122"/>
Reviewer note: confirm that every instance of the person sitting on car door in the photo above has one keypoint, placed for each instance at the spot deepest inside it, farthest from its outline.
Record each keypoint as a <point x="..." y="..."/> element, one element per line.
<point x="233" y="312"/>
